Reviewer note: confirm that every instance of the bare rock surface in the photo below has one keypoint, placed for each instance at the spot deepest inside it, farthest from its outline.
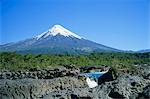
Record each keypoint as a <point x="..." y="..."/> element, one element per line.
<point x="64" y="83"/>
<point x="35" y="88"/>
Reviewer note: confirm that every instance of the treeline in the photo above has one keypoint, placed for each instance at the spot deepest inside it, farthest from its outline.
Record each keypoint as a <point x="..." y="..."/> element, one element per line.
<point x="15" y="61"/>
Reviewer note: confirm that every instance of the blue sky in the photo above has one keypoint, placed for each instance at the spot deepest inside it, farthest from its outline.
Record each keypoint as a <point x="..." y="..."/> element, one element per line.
<point x="121" y="24"/>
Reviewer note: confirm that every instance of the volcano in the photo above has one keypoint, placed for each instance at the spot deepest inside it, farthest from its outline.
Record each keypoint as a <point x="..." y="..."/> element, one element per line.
<point x="56" y="40"/>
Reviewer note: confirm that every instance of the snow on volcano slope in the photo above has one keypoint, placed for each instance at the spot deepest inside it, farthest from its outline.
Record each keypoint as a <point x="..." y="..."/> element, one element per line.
<point x="57" y="29"/>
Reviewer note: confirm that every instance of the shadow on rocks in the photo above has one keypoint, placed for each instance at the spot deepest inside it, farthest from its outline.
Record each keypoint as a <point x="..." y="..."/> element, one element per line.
<point x="109" y="76"/>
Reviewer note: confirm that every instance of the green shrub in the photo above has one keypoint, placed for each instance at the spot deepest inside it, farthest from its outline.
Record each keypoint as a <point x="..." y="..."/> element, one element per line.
<point x="15" y="61"/>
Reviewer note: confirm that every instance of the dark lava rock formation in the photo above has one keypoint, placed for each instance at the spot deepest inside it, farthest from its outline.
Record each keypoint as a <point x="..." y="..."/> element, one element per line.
<point x="64" y="83"/>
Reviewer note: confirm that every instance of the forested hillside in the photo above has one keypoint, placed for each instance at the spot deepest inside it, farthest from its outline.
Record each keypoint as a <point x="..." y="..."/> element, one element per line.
<point x="15" y="61"/>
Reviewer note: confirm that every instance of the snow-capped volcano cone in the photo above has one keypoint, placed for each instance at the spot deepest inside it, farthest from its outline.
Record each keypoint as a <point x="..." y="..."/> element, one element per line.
<point x="57" y="40"/>
<point x="58" y="29"/>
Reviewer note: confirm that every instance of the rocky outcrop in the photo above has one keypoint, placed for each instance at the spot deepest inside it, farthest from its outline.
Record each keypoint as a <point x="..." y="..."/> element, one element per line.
<point x="124" y="87"/>
<point x="109" y="76"/>
<point x="40" y="73"/>
<point x="146" y="93"/>
<point x="65" y="84"/>
<point x="94" y="68"/>
<point x="34" y="88"/>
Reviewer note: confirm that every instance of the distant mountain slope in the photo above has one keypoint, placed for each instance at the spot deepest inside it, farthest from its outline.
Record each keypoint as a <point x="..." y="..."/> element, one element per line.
<point x="57" y="40"/>
<point x="144" y="51"/>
